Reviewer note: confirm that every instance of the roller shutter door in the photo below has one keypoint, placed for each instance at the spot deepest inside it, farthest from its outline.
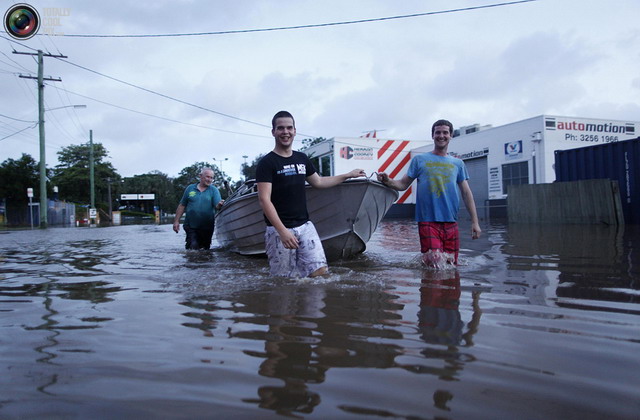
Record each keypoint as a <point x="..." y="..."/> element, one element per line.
<point x="479" y="183"/>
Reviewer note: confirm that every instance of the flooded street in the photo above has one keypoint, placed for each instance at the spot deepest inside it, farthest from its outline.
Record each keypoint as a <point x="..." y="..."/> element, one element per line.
<point x="538" y="322"/>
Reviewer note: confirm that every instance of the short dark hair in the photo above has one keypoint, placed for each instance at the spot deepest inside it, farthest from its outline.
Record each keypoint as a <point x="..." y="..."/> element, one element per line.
<point x="282" y="114"/>
<point x="442" y="122"/>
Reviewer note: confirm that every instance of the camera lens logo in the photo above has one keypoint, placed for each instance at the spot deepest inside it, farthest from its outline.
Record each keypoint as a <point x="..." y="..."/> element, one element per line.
<point x="21" y="21"/>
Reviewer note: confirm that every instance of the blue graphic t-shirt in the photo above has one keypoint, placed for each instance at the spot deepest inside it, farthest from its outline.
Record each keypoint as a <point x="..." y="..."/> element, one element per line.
<point x="437" y="195"/>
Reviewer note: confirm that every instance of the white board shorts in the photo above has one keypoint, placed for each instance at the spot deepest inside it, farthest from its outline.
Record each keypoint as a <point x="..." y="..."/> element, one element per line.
<point x="300" y="262"/>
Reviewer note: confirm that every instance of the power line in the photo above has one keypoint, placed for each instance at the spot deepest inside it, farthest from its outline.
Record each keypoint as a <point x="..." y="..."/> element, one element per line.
<point x="18" y="132"/>
<point x="164" y="96"/>
<point x="159" y="94"/>
<point x="157" y="116"/>
<point x="173" y="99"/>
<point x="17" y="65"/>
<point x="16" y="119"/>
<point x="286" y="28"/>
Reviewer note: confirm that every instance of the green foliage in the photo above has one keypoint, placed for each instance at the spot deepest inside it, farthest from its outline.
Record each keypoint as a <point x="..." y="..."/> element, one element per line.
<point x="154" y="182"/>
<point x="249" y="170"/>
<point x="307" y="143"/>
<point x="191" y="175"/>
<point x="16" y="176"/>
<point x="72" y="174"/>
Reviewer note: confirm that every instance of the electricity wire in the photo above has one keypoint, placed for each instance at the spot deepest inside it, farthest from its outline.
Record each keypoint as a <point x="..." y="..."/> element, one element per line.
<point x="285" y="28"/>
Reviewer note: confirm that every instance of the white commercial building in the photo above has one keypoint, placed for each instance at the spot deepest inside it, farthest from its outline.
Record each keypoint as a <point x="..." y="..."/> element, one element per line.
<point x="523" y="152"/>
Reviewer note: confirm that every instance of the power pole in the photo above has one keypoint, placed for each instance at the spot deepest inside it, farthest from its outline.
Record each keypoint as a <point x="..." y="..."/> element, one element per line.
<point x="43" y="165"/>
<point x="109" y="195"/>
<point x="91" y="171"/>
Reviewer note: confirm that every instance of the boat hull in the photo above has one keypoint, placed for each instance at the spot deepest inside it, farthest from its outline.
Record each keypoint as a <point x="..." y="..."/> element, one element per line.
<point x="345" y="217"/>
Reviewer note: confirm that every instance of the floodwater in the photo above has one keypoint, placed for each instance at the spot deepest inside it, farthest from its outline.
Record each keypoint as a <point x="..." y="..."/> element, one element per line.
<point x="538" y="322"/>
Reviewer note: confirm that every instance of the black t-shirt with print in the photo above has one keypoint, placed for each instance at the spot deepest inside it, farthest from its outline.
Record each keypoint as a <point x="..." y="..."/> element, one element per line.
<point x="287" y="176"/>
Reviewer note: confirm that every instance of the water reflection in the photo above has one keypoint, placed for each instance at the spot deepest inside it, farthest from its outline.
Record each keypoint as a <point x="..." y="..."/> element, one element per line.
<point x="439" y="319"/>
<point x="92" y="291"/>
<point x="585" y="263"/>
<point x="126" y="320"/>
<point x="307" y="330"/>
<point x="38" y="295"/>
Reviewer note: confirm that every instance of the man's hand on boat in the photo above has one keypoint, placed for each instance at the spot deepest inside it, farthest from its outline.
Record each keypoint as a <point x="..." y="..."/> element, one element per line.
<point x="357" y="173"/>
<point x="396" y="184"/>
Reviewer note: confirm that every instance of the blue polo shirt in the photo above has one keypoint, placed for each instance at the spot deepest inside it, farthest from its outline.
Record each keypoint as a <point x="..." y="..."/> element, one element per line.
<point x="200" y="206"/>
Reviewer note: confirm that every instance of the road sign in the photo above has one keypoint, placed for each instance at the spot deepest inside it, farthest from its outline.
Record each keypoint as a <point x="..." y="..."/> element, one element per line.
<point x="137" y="197"/>
<point x="30" y="192"/>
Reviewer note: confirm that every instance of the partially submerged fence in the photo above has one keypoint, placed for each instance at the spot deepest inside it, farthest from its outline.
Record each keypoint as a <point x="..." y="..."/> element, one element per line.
<point x="594" y="201"/>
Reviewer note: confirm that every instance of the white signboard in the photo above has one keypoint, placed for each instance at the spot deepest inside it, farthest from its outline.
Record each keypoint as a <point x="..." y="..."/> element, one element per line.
<point x="137" y="196"/>
<point x="585" y="132"/>
<point x="93" y="213"/>
<point x="30" y="192"/>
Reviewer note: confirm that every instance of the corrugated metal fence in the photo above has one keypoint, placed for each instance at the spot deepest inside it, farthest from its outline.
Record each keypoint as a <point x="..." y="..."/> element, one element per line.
<point x="59" y="213"/>
<point x="618" y="161"/>
<point x="594" y="201"/>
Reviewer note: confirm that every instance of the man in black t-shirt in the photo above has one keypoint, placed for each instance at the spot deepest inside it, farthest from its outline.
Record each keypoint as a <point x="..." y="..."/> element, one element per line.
<point x="292" y="242"/>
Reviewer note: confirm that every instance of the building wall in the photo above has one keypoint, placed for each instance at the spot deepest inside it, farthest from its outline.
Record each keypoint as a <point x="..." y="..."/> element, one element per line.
<point x="529" y="143"/>
<point x="371" y="154"/>
<point x="533" y="142"/>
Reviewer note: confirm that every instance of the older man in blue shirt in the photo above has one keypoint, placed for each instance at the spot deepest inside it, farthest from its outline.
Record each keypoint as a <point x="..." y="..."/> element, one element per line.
<point x="200" y="202"/>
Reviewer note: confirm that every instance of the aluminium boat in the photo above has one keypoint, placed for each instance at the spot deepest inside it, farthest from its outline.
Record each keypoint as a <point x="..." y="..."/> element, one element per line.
<point x="345" y="217"/>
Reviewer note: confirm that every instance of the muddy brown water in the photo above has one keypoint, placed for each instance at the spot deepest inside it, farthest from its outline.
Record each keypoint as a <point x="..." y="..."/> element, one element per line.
<point x="538" y="322"/>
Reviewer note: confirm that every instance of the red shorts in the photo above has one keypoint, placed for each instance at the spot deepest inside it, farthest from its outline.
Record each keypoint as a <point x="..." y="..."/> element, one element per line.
<point x="439" y="236"/>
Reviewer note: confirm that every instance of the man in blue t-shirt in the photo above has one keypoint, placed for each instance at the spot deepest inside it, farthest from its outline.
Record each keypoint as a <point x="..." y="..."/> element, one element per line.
<point x="200" y="201"/>
<point x="291" y="240"/>
<point x="439" y="178"/>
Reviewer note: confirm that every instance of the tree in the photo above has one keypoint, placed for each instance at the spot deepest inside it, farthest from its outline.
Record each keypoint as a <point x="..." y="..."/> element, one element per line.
<point x="249" y="171"/>
<point x="307" y="143"/>
<point x="15" y="177"/>
<point x="71" y="175"/>
<point x="154" y="182"/>
<point x="191" y="175"/>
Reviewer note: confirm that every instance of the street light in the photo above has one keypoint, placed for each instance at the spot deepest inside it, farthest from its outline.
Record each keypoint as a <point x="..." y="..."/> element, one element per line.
<point x="43" y="164"/>
<point x="66" y="106"/>
<point x="220" y="160"/>
<point x="244" y="169"/>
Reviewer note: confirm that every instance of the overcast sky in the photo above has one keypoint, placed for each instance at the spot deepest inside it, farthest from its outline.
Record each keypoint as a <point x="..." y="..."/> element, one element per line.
<point x="490" y="66"/>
